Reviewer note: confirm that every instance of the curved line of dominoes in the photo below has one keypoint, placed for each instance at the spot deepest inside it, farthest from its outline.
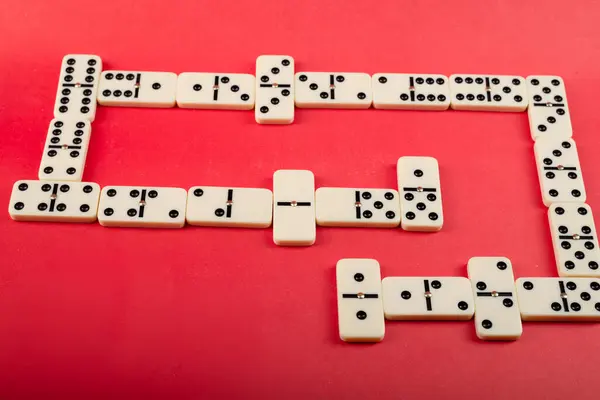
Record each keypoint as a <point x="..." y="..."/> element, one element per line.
<point x="295" y="208"/>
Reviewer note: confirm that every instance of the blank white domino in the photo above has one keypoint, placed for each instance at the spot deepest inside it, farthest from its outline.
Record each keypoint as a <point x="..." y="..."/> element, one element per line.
<point x="411" y="92"/>
<point x="360" y="309"/>
<point x="54" y="201"/>
<point x="377" y="208"/>
<point x="229" y="207"/>
<point x="427" y="298"/>
<point x="575" y="239"/>
<point x="488" y="92"/>
<point x="142" y="207"/>
<point x="333" y="90"/>
<point x="548" y="110"/>
<point x="212" y="90"/>
<point x="497" y="314"/>
<point x="78" y="87"/>
<point x="274" y="102"/>
<point x="559" y="299"/>
<point x="559" y="171"/>
<point x="420" y="194"/>
<point x="65" y="150"/>
<point x="137" y="89"/>
<point x="294" y="208"/>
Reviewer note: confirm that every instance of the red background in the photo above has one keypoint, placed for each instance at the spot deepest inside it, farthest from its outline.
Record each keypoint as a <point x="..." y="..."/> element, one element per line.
<point x="87" y="311"/>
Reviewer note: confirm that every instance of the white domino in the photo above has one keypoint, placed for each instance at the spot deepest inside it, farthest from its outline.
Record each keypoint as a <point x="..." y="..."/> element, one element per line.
<point x="548" y="110"/>
<point x="142" y="207"/>
<point x="378" y="208"/>
<point x="54" y="201"/>
<point x="333" y="90"/>
<point x="488" y="92"/>
<point x="427" y="298"/>
<point x="360" y="309"/>
<point x="559" y="299"/>
<point x="575" y="239"/>
<point x="274" y="102"/>
<point x="65" y="150"/>
<point x="497" y="314"/>
<point x="229" y="207"/>
<point x="78" y="87"/>
<point x="294" y="208"/>
<point x="212" y="90"/>
<point x="411" y="92"/>
<point x="559" y="171"/>
<point x="420" y="194"/>
<point x="137" y="89"/>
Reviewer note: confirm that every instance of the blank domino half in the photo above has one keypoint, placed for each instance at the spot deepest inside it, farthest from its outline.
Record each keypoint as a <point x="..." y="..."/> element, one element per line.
<point x="142" y="207"/>
<point x="377" y="208"/>
<point x="360" y="309"/>
<point x="559" y="299"/>
<point x="333" y="90"/>
<point x="54" y="201"/>
<point x="497" y="315"/>
<point x="294" y="207"/>
<point x="229" y="207"/>
<point x="137" y="89"/>
<point x="427" y="298"/>
<point x="212" y="90"/>
<point x="420" y="194"/>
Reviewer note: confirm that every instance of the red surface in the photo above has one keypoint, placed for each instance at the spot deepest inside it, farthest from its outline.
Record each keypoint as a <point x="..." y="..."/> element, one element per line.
<point x="87" y="311"/>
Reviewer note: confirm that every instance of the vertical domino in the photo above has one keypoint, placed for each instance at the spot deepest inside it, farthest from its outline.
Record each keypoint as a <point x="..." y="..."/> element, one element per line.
<point x="78" y="87"/>
<point x="574" y="239"/>
<point x="548" y="111"/>
<point x="360" y="309"/>
<point x="274" y="102"/>
<point x="65" y="150"/>
<point x="294" y="222"/>
<point x="559" y="171"/>
<point x="497" y="315"/>
<point x="420" y="194"/>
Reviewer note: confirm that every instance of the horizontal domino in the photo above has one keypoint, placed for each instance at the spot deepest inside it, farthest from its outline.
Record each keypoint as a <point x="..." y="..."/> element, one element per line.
<point x="65" y="150"/>
<point x="548" y="110"/>
<point x="137" y="89"/>
<point x="574" y="239"/>
<point x="229" y="207"/>
<point x="360" y="308"/>
<point x="274" y="103"/>
<point x="378" y="208"/>
<point x="333" y="90"/>
<point x="427" y="298"/>
<point x="411" y="92"/>
<point x="142" y="207"/>
<point x="488" y="92"/>
<point x="54" y="201"/>
<point x="559" y="171"/>
<point x="78" y="87"/>
<point x="497" y="315"/>
<point x="559" y="299"/>
<point x="420" y="194"/>
<point x="213" y="90"/>
<point x="294" y="208"/>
